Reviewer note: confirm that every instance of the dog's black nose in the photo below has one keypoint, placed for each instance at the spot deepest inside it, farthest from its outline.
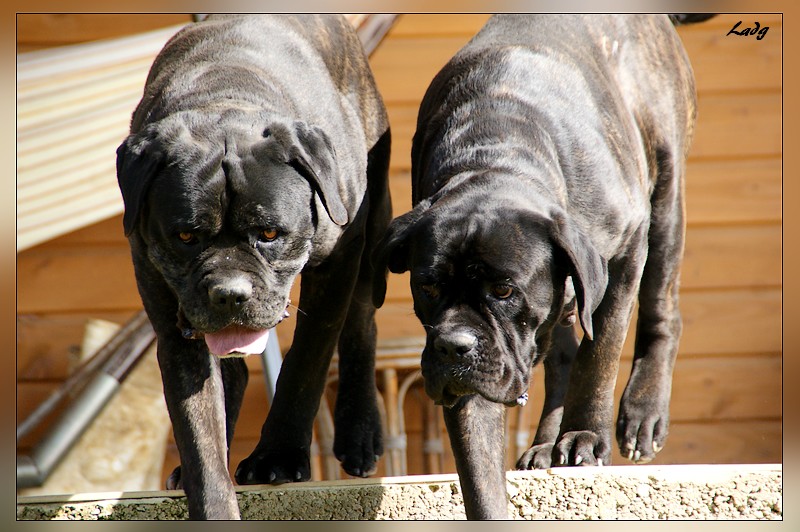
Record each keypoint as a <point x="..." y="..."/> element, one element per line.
<point x="455" y="343"/>
<point x="230" y="294"/>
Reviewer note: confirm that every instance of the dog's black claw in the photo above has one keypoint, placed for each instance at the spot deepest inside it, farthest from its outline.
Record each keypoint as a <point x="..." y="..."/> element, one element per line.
<point x="581" y="448"/>
<point x="274" y="467"/>
<point x="537" y="457"/>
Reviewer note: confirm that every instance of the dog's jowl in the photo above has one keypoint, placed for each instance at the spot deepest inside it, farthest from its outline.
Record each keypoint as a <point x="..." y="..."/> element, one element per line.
<point x="259" y="151"/>
<point x="548" y="168"/>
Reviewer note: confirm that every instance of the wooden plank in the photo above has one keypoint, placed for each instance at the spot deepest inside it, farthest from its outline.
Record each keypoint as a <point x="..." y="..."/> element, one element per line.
<point x="732" y="322"/>
<point x="732" y="257"/>
<point x="403" y="121"/>
<point x="734" y="191"/>
<point x="739" y="125"/>
<point x="744" y="125"/>
<point x="735" y="442"/>
<point x="713" y="389"/>
<point x="438" y="24"/>
<point x="403" y="68"/>
<point x="713" y="54"/>
<point x="97" y="279"/>
<point x="416" y="49"/>
<point x="400" y="188"/>
<point x="52" y="29"/>
<point x="108" y="231"/>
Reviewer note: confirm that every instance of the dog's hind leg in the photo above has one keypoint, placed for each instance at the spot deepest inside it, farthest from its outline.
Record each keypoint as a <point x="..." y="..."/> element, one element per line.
<point x="643" y="420"/>
<point x="557" y="366"/>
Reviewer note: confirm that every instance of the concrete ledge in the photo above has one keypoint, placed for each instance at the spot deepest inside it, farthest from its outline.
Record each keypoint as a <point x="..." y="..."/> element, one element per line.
<point x="614" y="492"/>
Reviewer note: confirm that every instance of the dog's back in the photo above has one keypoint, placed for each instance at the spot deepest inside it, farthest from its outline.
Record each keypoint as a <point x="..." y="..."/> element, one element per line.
<point x="215" y="59"/>
<point x="550" y="76"/>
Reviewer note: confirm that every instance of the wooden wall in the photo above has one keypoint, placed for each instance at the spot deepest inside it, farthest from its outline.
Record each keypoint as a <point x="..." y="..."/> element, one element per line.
<point x="727" y="399"/>
<point x="45" y="30"/>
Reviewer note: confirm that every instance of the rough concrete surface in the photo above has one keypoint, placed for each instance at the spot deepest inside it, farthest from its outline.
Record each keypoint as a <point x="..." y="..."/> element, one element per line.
<point x="749" y="492"/>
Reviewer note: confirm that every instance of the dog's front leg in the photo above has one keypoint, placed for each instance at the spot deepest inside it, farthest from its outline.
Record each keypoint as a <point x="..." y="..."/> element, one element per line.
<point x="476" y="429"/>
<point x="585" y="435"/>
<point x="283" y="452"/>
<point x="557" y="366"/>
<point x="194" y="394"/>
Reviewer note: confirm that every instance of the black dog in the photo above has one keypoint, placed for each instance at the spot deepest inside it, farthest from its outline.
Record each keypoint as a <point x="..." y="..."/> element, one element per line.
<point x="548" y="168"/>
<point x="259" y="150"/>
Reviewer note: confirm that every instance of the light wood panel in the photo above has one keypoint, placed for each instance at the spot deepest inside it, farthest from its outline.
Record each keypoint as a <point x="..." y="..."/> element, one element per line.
<point x="734" y="191"/>
<point x="718" y="191"/>
<point x="730" y="126"/>
<point x="729" y="63"/>
<point x="404" y="66"/>
<point x="45" y="30"/>
<point x="439" y="25"/>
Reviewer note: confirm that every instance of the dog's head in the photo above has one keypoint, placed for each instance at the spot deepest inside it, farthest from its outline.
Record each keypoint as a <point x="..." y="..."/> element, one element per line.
<point x="489" y="282"/>
<point x="227" y="216"/>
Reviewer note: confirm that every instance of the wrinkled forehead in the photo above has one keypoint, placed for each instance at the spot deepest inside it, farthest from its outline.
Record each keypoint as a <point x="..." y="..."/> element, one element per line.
<point x="213" y="188"/>
<point x="502" y="239"/>
<point x="190" y="187"/>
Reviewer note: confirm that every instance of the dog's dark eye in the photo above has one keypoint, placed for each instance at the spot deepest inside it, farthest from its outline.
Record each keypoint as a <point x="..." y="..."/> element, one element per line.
<point x="268" y="235"/>
<point x="430" y="290"/>
<point x="187" y="237"/>
<point x="502" y="291"/>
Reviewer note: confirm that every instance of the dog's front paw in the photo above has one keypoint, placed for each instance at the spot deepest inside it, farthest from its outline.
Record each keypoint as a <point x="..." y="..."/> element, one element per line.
<point x="642" y="429"/>
<point x="358" y="441"/>
<point x="274" y="467"/>
<point x="582" y="447"/>
<point x="537" y="457"/>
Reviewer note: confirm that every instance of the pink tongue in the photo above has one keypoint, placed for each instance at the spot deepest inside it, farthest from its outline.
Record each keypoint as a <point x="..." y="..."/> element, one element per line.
<point x="235" y="339"/>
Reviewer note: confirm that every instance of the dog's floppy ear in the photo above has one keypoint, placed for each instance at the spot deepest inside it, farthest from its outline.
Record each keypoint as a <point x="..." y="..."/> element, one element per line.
<point x="391" y="253"/>
<point x="589" y="269"/>
<point x="310" y="152"/>
<point x="138" y="160"/>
